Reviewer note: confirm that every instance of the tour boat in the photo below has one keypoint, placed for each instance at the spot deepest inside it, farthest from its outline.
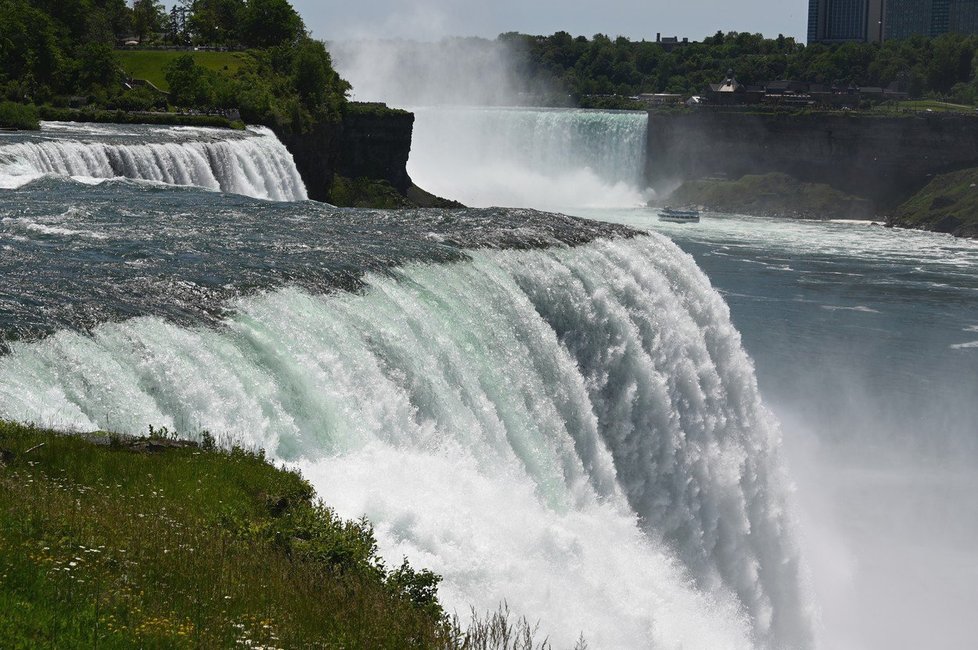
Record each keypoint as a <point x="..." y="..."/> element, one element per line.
<point x="679" y="216"/>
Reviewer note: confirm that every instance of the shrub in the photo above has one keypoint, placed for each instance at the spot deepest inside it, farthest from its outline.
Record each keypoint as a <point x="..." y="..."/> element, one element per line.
<point x="19" y="116"/>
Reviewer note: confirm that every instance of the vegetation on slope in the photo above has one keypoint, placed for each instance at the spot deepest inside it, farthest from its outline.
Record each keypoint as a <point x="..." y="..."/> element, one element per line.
<point x="151" y="65"/>
<point x="773" y="194"/>
<point x="154" y="543"/>
<point x="59" y="53"/>
<point x="18" y="116"/>
<point x="949" y="203"/>
<point x="117" y="542"/>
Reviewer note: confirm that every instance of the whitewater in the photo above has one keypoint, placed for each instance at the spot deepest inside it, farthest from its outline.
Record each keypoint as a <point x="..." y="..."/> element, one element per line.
<point x="546" y="411"/>
<point x="577" y="431"/>
<point x="864" y="343"/>
<point x="253" y="163"/>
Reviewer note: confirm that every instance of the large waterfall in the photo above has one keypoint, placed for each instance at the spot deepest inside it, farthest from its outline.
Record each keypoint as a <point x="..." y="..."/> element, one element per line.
<point x="574" y="429"/>
<point x="542" y="158"/>
<point x="252" y="163"/>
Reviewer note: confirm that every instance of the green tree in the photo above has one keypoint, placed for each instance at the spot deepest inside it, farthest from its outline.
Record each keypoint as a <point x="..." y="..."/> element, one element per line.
<point x="269" y="23"/>
<point x="30" y="53"/>
<point x="189" y="83"/>
<point x="148" y="17"/>
<point x="216" y="21"/>
<point x="97" y="67"/>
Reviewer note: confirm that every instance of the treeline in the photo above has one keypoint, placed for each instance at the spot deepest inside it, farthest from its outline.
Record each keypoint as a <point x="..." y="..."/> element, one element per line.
<point x="941" y="67"/>
<point x="60" y="53"/>
<point x="222" y="23"/>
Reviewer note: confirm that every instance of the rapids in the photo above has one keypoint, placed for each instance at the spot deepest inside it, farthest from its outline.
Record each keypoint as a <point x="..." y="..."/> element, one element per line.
<point x="546" y="410"/>
<point x="253" y="163"/>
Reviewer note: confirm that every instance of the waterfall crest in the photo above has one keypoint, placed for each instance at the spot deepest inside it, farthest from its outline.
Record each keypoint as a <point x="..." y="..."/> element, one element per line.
<point x="541" y="158"/>
<point x="577" y="430"/>
<point x="254" y="163"/>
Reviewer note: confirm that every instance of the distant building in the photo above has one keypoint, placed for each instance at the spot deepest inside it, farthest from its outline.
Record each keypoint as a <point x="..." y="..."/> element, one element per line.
<point x="872" y="21"/>
<point x="661" y="99"/>
<point x="963" y="17"/>
<point x="905" y="18"/>
<point x="793" y="94"/>
<point x="835" y="21"/>
<point x="669" y="43"/>
<point x="731" y="92"/>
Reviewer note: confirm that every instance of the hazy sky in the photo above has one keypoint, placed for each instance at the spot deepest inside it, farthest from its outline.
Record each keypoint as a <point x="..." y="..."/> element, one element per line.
<point x="636" y="19"/>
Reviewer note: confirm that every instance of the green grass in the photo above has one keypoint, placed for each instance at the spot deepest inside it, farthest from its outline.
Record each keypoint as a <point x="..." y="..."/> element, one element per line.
<point x="151" y="64"/>
<point x="113" y="546"/>
<point x="922" y="106"/>
<point x="948" y="203"/>
<point x="113" y="542"/>
<point x="53" y="114"/>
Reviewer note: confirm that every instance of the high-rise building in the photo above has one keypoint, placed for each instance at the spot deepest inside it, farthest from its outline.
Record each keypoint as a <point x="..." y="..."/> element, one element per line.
<point x="904" y="18"/>
<point x="872" y="21"/>
<point x="831" y="21"/>
<point x="964" y="17"/>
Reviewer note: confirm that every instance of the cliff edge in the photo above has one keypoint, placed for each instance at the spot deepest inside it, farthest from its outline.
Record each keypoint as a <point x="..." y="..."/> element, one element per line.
<point x="882" y="159"/>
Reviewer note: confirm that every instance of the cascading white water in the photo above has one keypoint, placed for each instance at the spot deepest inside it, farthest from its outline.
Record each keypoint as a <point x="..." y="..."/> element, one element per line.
<point x="255" y="164"/>
<point x="549" y="159"/>
<point x="575" y="430"/>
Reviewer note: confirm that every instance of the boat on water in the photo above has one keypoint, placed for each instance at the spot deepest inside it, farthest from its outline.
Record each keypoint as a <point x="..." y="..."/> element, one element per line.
<point x="679" y="216"/>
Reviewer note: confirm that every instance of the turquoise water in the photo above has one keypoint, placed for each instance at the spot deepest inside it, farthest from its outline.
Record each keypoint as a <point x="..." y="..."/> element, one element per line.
<point x="865" y="341"/>
<point x="741" y="433"/>
<point x="545" y="410"/>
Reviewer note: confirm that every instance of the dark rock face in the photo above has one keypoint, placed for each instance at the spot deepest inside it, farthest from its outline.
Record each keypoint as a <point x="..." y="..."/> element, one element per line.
<point x="373" y="145"/>
<point x="883" y="159"/>
<point x="948" y="224"/>
<point x="316" y="157"/>
<point x="377" y="146"/>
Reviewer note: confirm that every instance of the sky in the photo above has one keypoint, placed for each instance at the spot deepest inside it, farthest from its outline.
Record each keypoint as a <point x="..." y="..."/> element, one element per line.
<point x="636" y="19"/>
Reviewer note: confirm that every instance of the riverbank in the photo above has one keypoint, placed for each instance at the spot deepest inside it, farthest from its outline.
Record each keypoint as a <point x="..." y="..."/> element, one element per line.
<point x="772" y="195"/>
<point x="948" y="203"/>
<point x="117" y="542"/>
<point x="881" y="158"/>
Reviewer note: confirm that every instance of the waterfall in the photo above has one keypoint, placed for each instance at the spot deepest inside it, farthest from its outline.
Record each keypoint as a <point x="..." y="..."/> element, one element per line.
<point x="576" y="430"/>
<point x="254" y="163"/>
<point x="531" y="157"/>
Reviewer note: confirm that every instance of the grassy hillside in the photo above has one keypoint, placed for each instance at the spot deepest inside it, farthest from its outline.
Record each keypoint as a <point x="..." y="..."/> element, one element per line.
<point x="772" y="195"/>
<point x="949" y="203"/>
<point x="114" y="543"/>
<point x="151" y="64"/>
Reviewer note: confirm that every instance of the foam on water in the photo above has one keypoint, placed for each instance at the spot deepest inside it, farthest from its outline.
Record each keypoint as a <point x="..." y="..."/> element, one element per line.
<point x="254" y="164"/>
<point x="551" y="159"/>
<point x="575" y="430"/>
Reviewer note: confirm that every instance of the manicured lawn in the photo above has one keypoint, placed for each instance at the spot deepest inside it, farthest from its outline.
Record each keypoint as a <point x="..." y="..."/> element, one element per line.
<point x="923" y="106"/>
<point x="150" y="64"/>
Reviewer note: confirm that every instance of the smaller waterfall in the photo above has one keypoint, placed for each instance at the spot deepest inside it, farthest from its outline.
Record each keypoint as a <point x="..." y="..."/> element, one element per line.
<point x="549" y="159"/>
<point x="254" y="163"/>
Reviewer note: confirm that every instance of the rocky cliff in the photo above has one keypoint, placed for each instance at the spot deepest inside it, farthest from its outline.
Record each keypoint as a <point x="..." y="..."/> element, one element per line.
<point x="883" y="159"/>
<point x="371" y="142"/>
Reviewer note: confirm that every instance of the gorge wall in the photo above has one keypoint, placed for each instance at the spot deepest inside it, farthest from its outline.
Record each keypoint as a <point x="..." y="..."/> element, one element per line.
<point x="371" y="141"/>
<point x="883" y="159"/>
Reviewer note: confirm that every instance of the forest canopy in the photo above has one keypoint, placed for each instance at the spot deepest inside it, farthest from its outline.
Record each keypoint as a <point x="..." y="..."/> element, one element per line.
<point x="941" y="67"/>
<point x="62" y="53"/>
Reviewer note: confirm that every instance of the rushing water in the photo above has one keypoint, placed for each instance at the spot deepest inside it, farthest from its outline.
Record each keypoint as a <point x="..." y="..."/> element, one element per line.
<point x="542" y="409"/>
<point x="865" y="343"/>
<point x="253" y="163"/>
<point x="553" y="411"/>
<point x="540" y="158"/>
